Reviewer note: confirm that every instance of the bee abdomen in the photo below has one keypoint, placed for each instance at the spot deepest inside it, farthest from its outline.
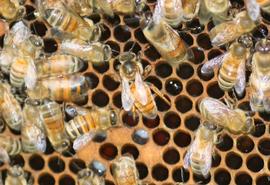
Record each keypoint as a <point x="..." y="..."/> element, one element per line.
<point x="17" y="73"/>
<point x="226" y="78"/>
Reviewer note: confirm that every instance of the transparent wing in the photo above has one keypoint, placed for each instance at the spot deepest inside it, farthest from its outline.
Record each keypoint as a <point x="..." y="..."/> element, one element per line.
<point x="241" y="79"/>
<point x="38" y="138"/>
<point x="187" y="159"/>
<point x="140" y="91"/>
<point x="20" y="32"/>
<point x="81" y="141"/>
<point x="126" y="95"/>
<point x="253" y="9"/>
<point x="4" y="155"/>
<point x="211" y="64"/>
<point x="207" y="157"/>
<point x="31" y="75"/>
<point x="225" y="33"/>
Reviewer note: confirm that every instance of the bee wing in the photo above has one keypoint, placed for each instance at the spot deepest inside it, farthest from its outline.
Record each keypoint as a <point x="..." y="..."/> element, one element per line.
<point x="4" y="155"/>
<point x="31" y="75"/>
<point x="208" y="67"/>
<point x="187" y="158"/>
<point x="253" y="9"/>
<point x="241" y="79"/>
<point x="126" y="96"/>
<point x="20" y="32"/>
<point x="38" y="137"/>
<point x="207" y="157"/>
<point x="140" y="91"/>
<point x="83" y="140"/>
<point x="228" y="33"/>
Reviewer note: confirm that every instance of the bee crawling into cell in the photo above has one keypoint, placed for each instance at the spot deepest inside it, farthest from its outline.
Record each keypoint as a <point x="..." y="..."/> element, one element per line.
<point x="232" y="65"/>
<point x="136" y="94"/>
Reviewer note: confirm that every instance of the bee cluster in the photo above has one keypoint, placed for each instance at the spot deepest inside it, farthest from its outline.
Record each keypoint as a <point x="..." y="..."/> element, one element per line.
<point x="133" y="92"/>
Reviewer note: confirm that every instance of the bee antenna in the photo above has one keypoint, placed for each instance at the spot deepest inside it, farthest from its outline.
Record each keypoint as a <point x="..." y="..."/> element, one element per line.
<point x="182" y="174"/>
<point x="132" y="47"/>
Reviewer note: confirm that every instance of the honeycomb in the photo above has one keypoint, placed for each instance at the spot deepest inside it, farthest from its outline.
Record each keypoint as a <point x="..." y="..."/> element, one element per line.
<point x="242" y="159"/>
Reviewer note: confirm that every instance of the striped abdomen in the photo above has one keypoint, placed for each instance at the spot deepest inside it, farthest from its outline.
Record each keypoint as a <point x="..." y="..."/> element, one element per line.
<point x="68" y="88"/>
<point x="59" y="65"/>
<point x="12" y="113"/>
<point x="228" y="73"/>
<point x="17" y="72"/>
<point x="197" y="163"/>
<point x="80" y="125"/>
<point x="149" y="110"/>
<point x="54" y="125"/>
<point x="11" y="145"/>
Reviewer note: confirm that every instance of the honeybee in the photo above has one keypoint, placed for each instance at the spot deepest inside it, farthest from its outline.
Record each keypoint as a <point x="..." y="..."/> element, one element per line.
<point x="87" y="123"/>
<point x="231" y="30"/>
<point x="217" y="9"/>
<point x="32" y="133"/>
<point x="17" y="176"/>
<point x="9" y="146"/>
<point x="10" y="107"/>
<point x="11" y="9"/>
<point x="63" y="88"/>
<point x="236" y="121"/>
<point x="254" y="8"/>
<point x="190" y="9"/>
<point x="173" y="12"/>
<point x="199" y="154"/>
<point x="166" y="40"/>
<point x="108" y="7"/>
<point x="124" y="171"/>
<point x="232" y="72"/>
<point x="136" y="94"/>
<point x="88" y="177"/>
<point x="53" y="66"/>
<point x="53" y="121"/>
<point x="94" y="52"/>
<point x="260" y="77"/>
<point x="62" y="18"/>
<point x="20" y="37"/>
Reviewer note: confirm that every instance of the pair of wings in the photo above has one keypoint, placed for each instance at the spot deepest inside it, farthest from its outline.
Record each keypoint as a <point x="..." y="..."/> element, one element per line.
<point x="240" y="84"/>
<point x="140" y="94"/>
<point x="253" y="9"/>
<point x="206" y="156"/>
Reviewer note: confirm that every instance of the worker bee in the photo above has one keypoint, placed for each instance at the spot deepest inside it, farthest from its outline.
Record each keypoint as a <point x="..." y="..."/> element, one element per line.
<point x="17" y="176"/>
<point x="20" y="37"/>
<point x="217" y="9"/>
<point x="124" y="171"/>
<point x="236" y="121"/>
<point x="199" y="154"/>
<point x="173" y="12"/>
<point x="108" y="7"/>
<point x="260" y="77"/>
<point x="11" y="10"/>
<point x="9" y="146"/>
<point x="166" y="40"/>
<point x="63" y="88"/>
<point x="53" y="66"/>
<point x="10" y="107"/>
<point x="190" y="9"/>
<point x="88" y="123"/>
<point x="232" y="72"/>
<point x="254" y="8"/>
<point x="88" y="177"/>
<point x="136" y="94"/>
<point x="94" y="52"/>
<point x="32" y="133"/>
<point x="231" y="30"/>
<point x="62" y="18"/>
<point x="53" y="121"/>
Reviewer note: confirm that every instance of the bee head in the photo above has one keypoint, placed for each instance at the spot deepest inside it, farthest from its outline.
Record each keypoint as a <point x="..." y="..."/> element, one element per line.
<point x="263" y="46"/>
<point x="140" y="4"/>
<point x="246" y="41"/>
<point x="238" y="49"/>
<point x="16" y="171"/>
<point x="84" y="173"/>
<point x="250" y="126"/>
<point x="129" y="65"/>
<point x="36" y="41"/>
<point x="33" y="102"/>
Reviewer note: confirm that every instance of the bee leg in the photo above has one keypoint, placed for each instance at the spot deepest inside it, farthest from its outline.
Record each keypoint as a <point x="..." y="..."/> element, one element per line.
<point x="218" y="138"/>
<point x="134" y="113"/>
<point x="230" y="102"/>
<point x="115" y="77"/>
<point x="147" y="71"/>
<point x="157" y="92"/>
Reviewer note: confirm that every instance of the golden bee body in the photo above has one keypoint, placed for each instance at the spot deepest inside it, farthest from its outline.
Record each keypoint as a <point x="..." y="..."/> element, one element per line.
<point x="234" y="120"/>
<point x="125" y="172"/>
<point x="54" y="125"/>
